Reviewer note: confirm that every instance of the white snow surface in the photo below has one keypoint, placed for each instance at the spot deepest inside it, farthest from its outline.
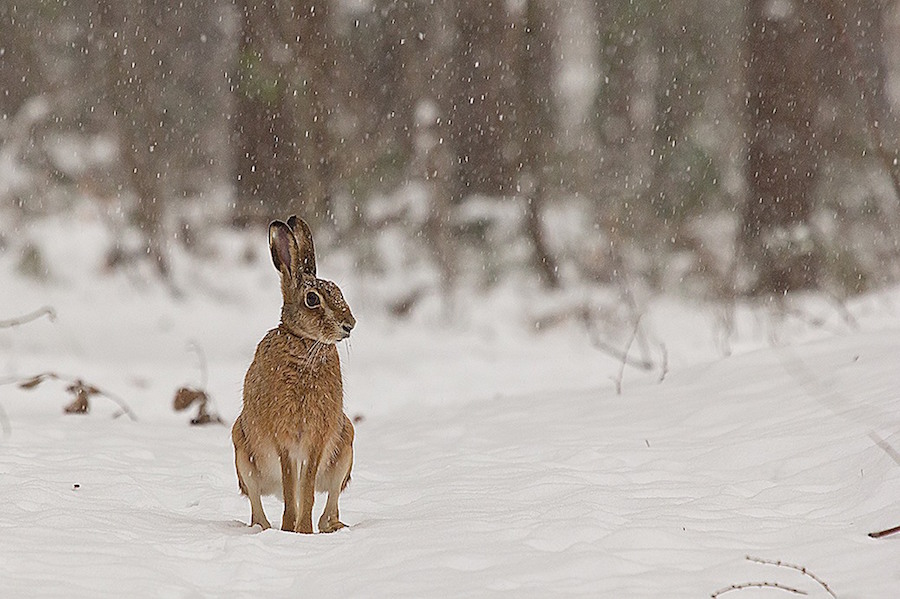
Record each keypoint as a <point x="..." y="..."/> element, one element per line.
<point x="491" y="459"/>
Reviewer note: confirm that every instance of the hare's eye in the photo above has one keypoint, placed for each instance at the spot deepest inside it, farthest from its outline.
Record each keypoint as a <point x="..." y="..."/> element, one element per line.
<point x="312" y="299"/>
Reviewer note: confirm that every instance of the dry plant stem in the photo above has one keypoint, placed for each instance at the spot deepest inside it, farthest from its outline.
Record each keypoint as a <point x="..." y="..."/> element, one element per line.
<point x="30" y="382"/>
<point x="118" y="401"/>
<point x="813" y="321"/>
<point x="884" y="533"/>
<point x="4" y="423"/>
<point x="640" y="337"/>
<point x="800" y="569"/>
<point x="620" y="356"/>
<point x="885" y="446"/>
<point x="802" y="374"/>
<point x="201" y="356"/>
<point x="757" y="585"/>
<point x="844" y="311"/>
<point x="664" y="369"/>
<point x="14" y="322"/>
<point x="622" y="365"/>
<point x="828" y="397"/>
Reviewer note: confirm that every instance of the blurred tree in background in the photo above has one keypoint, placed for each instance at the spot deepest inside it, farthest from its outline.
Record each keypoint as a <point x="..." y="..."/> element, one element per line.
<point x="729" y="147"/>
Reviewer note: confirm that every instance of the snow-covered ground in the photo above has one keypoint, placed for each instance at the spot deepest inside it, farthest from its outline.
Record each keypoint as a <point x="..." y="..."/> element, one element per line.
<point x="491" y="459"/>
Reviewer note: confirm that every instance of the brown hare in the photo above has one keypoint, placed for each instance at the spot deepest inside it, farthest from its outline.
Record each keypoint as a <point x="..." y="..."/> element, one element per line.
<point x="292" y="437"/>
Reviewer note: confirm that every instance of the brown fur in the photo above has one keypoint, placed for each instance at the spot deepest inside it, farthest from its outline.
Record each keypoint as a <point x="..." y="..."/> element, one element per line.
<point x="292" y="437"/>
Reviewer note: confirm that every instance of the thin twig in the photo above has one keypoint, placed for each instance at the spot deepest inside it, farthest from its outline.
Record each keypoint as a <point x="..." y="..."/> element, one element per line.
<point x="844" y="311"/>
<point x="4" y="423"/>
<point x="800" y="569"/>
<point x="30" y="382"/>
<point x="818" y="322"/>
<point x="621" y="356"/>
<point x="622" y="365"/>
<point x="664" y="369"/>
<point x="606" y="348"/>
<point x="757" y="585"/>
<point x="885" y="446"/>
<point x="121" y="403"/>
<point x="14" y="322"/>
<point x="884" y="533"/>
<point x="816" y="389"/>
<point x="201" y="356"/>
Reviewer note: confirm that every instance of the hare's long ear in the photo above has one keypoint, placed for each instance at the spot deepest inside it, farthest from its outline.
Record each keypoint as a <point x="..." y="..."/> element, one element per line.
<point x="304" y="244"/>
<point x="283" y="245"/>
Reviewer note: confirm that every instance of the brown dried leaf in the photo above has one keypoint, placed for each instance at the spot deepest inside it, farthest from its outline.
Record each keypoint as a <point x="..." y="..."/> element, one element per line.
<point x="32" y="382"/>
<point x="186" y="396"/>
<point x="79" y="405"/>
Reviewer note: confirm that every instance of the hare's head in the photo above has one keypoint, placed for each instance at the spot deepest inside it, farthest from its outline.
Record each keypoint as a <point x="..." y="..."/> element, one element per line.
<point x="313" y="308"/>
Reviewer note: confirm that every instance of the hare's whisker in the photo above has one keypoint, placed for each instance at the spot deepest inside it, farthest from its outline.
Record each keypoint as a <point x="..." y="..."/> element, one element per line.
<point x="307" y="358"/>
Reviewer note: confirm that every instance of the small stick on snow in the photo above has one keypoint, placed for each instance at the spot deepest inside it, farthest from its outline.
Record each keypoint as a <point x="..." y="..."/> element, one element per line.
<point x="757" y="585"/>
<point x="14" y="322"/>
<point x="800" y="569"/>
<point x="884" y="533"/>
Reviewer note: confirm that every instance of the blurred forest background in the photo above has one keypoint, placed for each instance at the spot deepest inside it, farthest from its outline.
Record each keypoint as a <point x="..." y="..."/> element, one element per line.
<point x="723" y="148"/>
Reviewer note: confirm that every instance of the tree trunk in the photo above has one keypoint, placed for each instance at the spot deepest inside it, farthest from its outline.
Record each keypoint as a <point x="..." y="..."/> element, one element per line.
<point x="134" y="90"/>
<point x="478" y="106"/>
<point x="284" y="152"/>
<point x="783" y="157"/>
<point x="535" y="120"/>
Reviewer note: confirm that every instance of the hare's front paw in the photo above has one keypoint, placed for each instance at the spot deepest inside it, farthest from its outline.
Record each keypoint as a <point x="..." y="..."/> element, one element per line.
<point x="333" y="526"/>
<point x="330" y="525"/>
<point x="263" y="524"/>
<point x="304" y="526"/>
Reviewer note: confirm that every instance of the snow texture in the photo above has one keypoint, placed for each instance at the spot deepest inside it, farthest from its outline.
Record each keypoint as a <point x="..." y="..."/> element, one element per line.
<point x="490" y="461"/>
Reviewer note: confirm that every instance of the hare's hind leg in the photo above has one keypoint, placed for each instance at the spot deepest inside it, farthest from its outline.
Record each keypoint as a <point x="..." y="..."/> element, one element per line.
<point x="248" y="478"/>
<point x="333" y="482"/>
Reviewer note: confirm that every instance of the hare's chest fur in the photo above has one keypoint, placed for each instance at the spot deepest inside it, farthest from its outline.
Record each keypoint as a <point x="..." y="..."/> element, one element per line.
<point x="293" y="394"/>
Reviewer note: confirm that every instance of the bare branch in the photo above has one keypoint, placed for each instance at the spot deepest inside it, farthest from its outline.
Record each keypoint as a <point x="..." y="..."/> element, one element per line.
<point x="14" y="322"/>
<point x="800" y="569"/>
<point x="757" y="585"/>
